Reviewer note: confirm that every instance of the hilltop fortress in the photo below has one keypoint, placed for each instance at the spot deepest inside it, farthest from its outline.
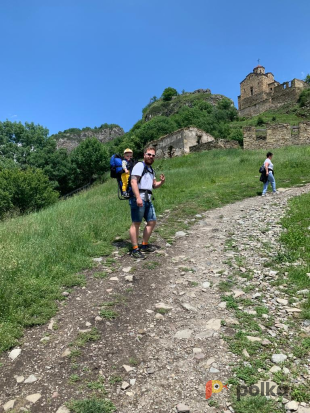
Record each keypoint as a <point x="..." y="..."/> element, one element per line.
<point x="260" y="92"/>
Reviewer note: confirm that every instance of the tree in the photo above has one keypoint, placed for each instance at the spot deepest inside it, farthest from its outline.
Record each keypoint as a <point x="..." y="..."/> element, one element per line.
<point x="27" y="190"/>
<point x="90" y="159"/>
<point x="168" y="93"/>
<point x="307" y="79"/>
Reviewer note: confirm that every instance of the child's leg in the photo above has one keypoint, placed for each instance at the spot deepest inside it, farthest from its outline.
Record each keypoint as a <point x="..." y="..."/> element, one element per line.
<point x="125" y="179"/>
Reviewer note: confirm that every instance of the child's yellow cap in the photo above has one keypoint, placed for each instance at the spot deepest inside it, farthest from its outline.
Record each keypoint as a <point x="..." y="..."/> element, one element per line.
<point x="128" y="150"/>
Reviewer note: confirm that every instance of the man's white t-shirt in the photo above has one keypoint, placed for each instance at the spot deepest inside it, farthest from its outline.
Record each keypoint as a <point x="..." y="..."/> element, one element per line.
<point x="146" y="182"/>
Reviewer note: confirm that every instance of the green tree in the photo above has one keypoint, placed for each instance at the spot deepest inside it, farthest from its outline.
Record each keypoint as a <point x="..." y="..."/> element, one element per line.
<point x="26" y="190"/>
<point x="168" y="93"/>
<point x="91" y="159"/>
<point x="307" y="79"/>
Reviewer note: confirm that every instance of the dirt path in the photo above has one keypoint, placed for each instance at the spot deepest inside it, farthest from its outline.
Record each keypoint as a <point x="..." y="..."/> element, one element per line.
<point x="172" y="352"/>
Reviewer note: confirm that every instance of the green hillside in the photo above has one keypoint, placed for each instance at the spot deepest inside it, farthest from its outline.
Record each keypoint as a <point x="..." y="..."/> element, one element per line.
<point x="43" y="252"/>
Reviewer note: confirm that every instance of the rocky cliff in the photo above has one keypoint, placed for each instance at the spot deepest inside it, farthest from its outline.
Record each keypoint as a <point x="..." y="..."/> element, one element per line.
<point x="71" y="138"/>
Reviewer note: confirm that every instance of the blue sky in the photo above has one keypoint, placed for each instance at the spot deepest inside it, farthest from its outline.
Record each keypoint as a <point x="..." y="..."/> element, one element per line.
<point x="77" y="63"/>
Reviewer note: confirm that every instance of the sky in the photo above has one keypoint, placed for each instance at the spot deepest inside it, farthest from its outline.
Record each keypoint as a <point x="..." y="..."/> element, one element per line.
<point x="78" y="63"/>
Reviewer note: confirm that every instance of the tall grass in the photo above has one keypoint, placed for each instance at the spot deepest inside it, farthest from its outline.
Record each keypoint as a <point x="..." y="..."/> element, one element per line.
<point x="297" y="242"/>
<point x="44" y="251"/>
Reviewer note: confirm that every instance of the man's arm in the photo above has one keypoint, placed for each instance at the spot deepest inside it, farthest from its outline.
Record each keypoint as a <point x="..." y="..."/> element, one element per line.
<point x="135" y="189"/>
<point x="157" y="184"/>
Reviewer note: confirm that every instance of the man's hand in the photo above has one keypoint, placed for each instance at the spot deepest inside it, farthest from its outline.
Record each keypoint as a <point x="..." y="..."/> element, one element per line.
<point x="139" y="202"/>
<point x="162" y="178"/>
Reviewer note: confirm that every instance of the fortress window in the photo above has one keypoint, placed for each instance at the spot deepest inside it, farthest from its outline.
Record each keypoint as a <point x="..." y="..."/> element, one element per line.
<point x="251" y="90"/>
<point x="271" y="89"/>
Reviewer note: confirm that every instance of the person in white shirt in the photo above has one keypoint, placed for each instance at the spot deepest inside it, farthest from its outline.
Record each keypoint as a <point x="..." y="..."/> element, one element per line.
<point x="143" y="181"/>
<point x="269" y="174"/>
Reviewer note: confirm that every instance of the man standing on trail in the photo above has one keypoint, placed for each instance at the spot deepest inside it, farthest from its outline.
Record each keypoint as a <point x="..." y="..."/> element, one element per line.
<point x="142" y="183"/>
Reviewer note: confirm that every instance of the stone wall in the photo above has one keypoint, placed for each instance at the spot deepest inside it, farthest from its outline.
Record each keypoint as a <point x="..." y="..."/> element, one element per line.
<point x="276" y="136"/>
<point x="216" y="144"/>
<point x="186" y="140"/>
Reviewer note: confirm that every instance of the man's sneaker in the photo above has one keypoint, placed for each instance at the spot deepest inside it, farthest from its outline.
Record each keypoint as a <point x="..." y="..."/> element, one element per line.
<point x="137" y="254"/>
<point x="148" y="248"/>
<point x="263" y="194"/>
<point x="275" y="193"/>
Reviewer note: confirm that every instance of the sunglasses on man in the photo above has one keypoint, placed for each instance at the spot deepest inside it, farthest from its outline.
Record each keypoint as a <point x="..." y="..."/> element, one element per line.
<point x="150" y="154"/>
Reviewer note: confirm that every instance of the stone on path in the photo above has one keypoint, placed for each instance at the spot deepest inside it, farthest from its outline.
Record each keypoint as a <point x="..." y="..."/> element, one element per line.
<point x="302" y="409"/>
<point x="182" y="408"/>
<point x="33" y="398"/>
<point x="253" y="339"/>
<point x="129" y="278"/>
<point x="275" y="369"/>
<point x="222" y="305"/>
<point x="282" y="301"/>
<point x="66" y="353"/>
<point x="238" y="293"/>
<point x="126" y="269"/>
<point x="292" y="405"/>
<point x="206" y="284"/>
<point x="213" y="370"/>
<point x="125" y="385"/>
<point x="278" y="358"/>
<point x="180" y="234"/>
<point x="245" y="353"/>
<point x="19" y="379"/>
<point x="183" y="334"/>
<point x="15" y="353"/>
<point x="63" y="409"/>
<point x="188" y="307"/>
<point x="31" y="379"/>
<point x="213" y="324"/>
<point x="128" y="368"/>
<point x="9" y="405"/>
<point x="164" y="306"/>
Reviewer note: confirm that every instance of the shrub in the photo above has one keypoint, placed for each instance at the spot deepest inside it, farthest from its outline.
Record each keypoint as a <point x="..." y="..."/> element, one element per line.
<point x="304" y="98"/>
<point x="26" y="191"/>
<point x="260" y="121"/>
<point x="236" y="135"/>
<point x="168" y="93"/>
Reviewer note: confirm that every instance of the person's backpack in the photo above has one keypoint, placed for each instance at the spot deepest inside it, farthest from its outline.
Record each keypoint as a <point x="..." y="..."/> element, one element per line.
<point x="116" y="166"/>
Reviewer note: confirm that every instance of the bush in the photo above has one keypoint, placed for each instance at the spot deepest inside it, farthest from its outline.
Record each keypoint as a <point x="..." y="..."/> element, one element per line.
<point x="26" y="191"/>
<point x="236" y="135"/>
<point x="168" y="93"/>
<point x="304" y="98"/>
<point x="260" y="121"/>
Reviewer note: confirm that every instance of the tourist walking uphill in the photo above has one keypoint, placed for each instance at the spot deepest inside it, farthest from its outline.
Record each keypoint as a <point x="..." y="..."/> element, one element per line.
<point x="143" y="181"/>
<point x="269" y="173"/>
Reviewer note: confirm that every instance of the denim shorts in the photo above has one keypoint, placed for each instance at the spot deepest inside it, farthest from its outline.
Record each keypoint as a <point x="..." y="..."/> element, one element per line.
<point x="147" y="211"/>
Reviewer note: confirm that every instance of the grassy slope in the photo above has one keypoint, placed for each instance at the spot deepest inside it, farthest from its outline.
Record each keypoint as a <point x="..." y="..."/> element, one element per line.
<point x="42" y="252"/>
<point x="285" y="114"/>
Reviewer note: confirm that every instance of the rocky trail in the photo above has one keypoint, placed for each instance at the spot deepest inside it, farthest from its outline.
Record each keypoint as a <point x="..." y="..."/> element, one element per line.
<point x="148" y="335"/>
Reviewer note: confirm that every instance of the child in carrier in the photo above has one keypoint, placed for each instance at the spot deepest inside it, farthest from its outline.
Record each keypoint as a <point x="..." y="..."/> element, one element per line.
<point x="126" y="165"/>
